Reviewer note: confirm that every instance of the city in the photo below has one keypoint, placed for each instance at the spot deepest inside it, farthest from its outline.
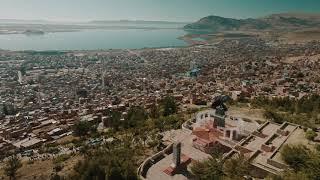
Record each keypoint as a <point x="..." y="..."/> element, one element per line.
<point x="240" y="107"/>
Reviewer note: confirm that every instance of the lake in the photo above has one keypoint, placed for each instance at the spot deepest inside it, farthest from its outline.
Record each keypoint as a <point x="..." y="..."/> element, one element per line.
<point x="94" y="40"/>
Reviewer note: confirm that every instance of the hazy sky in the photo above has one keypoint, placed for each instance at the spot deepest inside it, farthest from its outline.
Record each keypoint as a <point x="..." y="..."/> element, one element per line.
<point x="172" y="10"/>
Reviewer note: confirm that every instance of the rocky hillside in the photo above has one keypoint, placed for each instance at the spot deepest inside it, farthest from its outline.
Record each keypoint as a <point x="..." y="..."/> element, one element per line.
<point x="273" y="22"/>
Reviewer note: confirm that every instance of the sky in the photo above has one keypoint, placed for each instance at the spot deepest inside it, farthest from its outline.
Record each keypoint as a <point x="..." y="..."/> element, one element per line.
<point x="169" y="10"/>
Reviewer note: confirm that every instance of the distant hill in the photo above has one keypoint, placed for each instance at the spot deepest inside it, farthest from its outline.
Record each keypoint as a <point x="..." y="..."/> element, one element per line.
<point x="34" y="32"/>
<point x="305" y="16"/>
<point x="272" y="22"/>
<point x="19" y="21"/>
<point x="97" y="23"/>
<point x="137" y="22"/>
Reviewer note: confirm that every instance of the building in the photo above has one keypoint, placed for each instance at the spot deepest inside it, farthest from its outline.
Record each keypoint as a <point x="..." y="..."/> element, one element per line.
<point x="212" y="130"/>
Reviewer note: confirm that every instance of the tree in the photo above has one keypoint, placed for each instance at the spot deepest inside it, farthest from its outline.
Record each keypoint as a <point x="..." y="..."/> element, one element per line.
<point x="168" y="122"/>
<point x="82" y="128"/>
<point x="5" y="109"/>
<point x="211" y="168"/>
<point x="23" y="70"/>
<point x="12" y="166"/>
<point x="94" y="171"/>
<point x="113" y="120"/>
<point x="56" y="177"/>
<point x="312" y="169"/>
<point x="114" y="163"/>
<point x="159" y="123"/>
<point x="136" y="116"/>
<point x="57" y="168"/>
<point x="302" y="111"/>
<point x="310" y="135"/>
<point x="154" y="111"/>
<point x="272" y="115"/>
<point x="290" y="175"/>
<point x="8" y="109"/>
<point x="237" y="168"/>
<point x="318" y="148"/>
<point x="169" y="106"/>
<point x="305" y="163"/>
<point x="295" y="156"/>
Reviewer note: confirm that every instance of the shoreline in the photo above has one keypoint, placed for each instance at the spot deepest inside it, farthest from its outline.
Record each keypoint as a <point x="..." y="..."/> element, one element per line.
<point x="18" y="30"/>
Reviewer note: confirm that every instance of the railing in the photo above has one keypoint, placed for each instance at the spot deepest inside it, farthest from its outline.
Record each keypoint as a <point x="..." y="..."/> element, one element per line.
<point x="150" y="161"/>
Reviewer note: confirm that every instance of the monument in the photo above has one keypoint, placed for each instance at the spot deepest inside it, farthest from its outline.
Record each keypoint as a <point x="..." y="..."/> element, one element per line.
<point x="221" y="108"/>
<point x="176" y="155"/>
<point x="179" y="161"/>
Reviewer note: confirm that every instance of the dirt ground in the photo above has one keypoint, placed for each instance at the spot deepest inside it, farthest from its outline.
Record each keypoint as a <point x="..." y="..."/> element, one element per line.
<point x="67" y="139"/>
<point x="299" y="137"/>
<point x="313" y="58"/>
<point x="296" y="138"/>
<point x="300" y="36"/>
<point x="41" y="170"/>
<point x="246" y="112"/>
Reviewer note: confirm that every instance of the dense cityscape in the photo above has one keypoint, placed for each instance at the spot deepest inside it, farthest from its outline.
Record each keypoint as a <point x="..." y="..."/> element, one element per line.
<point x="44" y="94"/>
<point x="159" y="90"/>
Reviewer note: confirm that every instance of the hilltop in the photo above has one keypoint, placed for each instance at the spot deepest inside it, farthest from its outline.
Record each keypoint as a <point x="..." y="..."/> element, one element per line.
<point x="292" y="21"/>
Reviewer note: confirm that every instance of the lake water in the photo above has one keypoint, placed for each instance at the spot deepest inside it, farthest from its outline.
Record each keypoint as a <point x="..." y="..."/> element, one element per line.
<point x="94" y="39"/>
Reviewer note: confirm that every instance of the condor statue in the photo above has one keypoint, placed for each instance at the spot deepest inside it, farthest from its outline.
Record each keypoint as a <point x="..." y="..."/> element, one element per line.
<point x="221" y="108"/>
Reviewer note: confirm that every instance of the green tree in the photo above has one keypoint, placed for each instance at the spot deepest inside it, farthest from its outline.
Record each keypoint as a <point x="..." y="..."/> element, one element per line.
<point x="312" y="168"/>
<point x="5" y="109"/>
<point x="113" y="120"/>
<point x="317" y="148"/>
<point x="154" y="111"/>
<point x="305" y="163"/>
<point x="310" y="135"/>
<point x="113" y="163"/>
<point x="169" y="106"/>
<point x="303" y="111"/>
<point x="272" y="115"/>
<point x="81" y="128"/>
<point x="210" y="169"/>
<point x="159" y="123"/>
<point x="168" y="122"/>
<point x="291" y="175"/>
<point x="237" y="168"/>
<point x="135" y="117"/>
<point x="295" y="156"/>
<point x="23" y="70"/>
<point x="12" y="166"/>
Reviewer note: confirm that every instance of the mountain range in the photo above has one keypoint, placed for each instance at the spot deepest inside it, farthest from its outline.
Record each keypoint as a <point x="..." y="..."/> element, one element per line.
<point x="136" y="22"/>
<point x="284" y="21"/>
<point x="96" y="22"/>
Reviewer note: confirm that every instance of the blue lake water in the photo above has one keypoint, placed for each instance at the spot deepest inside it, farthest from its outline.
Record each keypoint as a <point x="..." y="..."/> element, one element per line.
<point x="94" y="40"/>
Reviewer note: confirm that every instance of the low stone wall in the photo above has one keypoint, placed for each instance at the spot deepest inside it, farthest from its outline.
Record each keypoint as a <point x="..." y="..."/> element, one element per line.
<point x="277" y="149"/>
<point x="267" y="148"/>
<point x="168" y="150"/>
<point x="142" y="170"/>
<point x="254" y="155"/>
<point x="259" y="134"/>
<point x="147" y="164"/>
<point x="230" y="154"/>
<point x="276" y="164"/>
<point x="157" y="157"/>
<point x="270" y="139"/>
<point x="282" y="132"/>
<point x="283" y="126"/>
<point x="246" y="140"/>
<point x="186" y="127"/>
<point x="242" y="149"/>
<point x="263" y="126"/>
